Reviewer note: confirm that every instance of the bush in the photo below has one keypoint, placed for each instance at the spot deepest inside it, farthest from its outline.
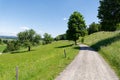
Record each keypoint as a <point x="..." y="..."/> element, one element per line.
<point x="12" y="46"/>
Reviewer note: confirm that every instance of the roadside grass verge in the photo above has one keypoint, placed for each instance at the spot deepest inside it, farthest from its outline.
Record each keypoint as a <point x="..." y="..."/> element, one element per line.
<point x="44" y="62"/>
<point x="108" y="45"/>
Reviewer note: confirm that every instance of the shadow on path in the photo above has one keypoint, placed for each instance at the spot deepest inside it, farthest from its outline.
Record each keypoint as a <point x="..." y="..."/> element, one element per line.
<point x="86" y="48"/>
<point x="64" y="46"/>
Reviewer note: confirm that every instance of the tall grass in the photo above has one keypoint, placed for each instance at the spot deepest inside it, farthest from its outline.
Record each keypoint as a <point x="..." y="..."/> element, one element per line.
<point x="108" y="45"/>
<point x="44" y="62"/>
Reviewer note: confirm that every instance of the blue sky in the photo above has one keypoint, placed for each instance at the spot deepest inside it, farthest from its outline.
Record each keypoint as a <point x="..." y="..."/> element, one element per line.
<point x="49" y="16"/>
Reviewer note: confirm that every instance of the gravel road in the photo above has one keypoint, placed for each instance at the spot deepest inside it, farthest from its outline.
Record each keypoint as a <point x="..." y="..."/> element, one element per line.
<point x="88" y="65"/>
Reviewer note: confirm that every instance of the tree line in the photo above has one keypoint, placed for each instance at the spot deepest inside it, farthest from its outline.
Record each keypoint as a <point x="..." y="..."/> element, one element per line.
<point x="27" y="39"/>
<point x="108" y="13"/>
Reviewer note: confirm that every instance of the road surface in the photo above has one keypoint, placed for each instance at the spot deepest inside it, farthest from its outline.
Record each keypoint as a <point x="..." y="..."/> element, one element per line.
<point x="88" y="65"/>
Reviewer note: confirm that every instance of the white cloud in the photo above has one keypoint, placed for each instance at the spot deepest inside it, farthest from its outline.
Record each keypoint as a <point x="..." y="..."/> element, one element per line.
<point x="24" y="28"/>
<point x="65" y="19"/>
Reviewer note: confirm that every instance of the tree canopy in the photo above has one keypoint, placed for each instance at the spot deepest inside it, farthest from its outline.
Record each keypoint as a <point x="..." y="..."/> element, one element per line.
<point x="28" y="38"/>
<point x="61" y="37"/>
<point x="109" y="14"/>
<point x="47" y="38"/>
<point x="76" y="26"/>
<point x="94" y="27"/>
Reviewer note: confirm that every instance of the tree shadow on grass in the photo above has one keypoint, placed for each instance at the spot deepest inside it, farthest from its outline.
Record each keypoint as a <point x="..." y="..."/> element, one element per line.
<point x="64" y="46"/>
<point x="16" y="52"/>
<point x="76" y="47"/>
<point x="105" y="42"/>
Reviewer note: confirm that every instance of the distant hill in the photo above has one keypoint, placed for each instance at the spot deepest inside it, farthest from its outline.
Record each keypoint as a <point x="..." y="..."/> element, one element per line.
<point x="8" y="37"/>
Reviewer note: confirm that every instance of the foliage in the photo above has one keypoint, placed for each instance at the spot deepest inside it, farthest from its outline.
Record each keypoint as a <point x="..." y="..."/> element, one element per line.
<point x="47" y="38"/>
<point x="76" y="27"/>
<point x="108" y="44"/>
<point x="5" y="41"/>
<point x="0" y="41"/>
<point x="94" y="27"/>
<point x="118" y="26"/>
<point x="28" y="38"/>
<point x="12" y="46"/>
<point x="44" y="62"/>
<point x="109" y="14"/>
<point x="61" y="37"/>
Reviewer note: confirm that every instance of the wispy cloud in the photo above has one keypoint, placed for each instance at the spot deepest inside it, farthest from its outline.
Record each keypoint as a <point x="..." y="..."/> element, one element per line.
<point x="24" y="28"/>
<point x="65" y="18"/>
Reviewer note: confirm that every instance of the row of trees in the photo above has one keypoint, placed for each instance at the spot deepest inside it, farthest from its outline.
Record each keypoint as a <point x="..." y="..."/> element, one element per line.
<point x="94" y="27"/>
<point x="108" y="13"/>
<point x="27" y="39"/>
<point x="61" y="37"/>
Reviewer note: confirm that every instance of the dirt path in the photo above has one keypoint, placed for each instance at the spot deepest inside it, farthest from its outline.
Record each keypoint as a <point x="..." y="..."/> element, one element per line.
<point x="88" y="65"/>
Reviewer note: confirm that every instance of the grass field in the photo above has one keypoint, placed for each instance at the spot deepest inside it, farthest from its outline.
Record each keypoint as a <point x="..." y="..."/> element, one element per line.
<point x="44" y="62"/>
<point x="2" y="47"/>
<point x="108" y="45"/>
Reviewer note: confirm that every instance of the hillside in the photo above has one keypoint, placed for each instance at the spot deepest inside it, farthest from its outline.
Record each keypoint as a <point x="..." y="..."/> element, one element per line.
<point x="108" y="45"/>
<point x="44" y="62"/>
<point x="2" y="47"/>
<point x="8" y="37"/>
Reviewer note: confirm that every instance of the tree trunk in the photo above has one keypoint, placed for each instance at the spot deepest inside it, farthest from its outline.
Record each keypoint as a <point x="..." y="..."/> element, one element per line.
<point x="28" y="48"/>
<point x="75" y="42"/>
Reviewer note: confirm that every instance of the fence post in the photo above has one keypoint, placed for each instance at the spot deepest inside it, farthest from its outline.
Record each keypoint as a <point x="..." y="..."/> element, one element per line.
<point x="16" y="72"/>
<point x="65" y="53"/>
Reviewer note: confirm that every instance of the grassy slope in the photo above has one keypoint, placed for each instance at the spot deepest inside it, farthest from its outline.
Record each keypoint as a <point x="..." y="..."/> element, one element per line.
<point x="2" y="47"/>
<point x="108" y="44"/>
<point x="44" y="62"/>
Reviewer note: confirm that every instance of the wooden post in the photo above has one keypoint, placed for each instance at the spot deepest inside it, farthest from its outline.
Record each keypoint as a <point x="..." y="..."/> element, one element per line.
<point x="16" y="72"/>
<point x="65" y="53"/>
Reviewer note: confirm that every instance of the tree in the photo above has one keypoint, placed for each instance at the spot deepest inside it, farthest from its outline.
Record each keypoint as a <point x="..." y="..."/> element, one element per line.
<point x="12" y="45"/>
<point x="0" y="41"/>
<point x="109" y="14"/>
<point x="47" y="38"/>
<point x="5" y="41"/>
<point x="94" y="27"/>
<point x="61" y="37"/>
<point x="76" y="27"/>
<point x="28" y="38"/>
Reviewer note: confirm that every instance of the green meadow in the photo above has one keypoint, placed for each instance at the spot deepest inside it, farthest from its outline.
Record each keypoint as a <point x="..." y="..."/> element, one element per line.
<point x="2" y="47"/>
<point x="108" y="45"/>
<point x="43" y="62"/>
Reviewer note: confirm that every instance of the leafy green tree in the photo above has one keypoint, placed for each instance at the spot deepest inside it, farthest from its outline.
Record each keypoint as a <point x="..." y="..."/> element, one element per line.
<point x="47" y="38"/>
<point x="109" y="14"/>
<point x="0" y="41"/>
<point x="61" y="37"/>
<point x="12" y="46"/>
<point x="94" y="27"/>
<point x="5" y="41"/>
<point x="76" y="27"/>
<point x="37" y="39"/>
<point x="28" y="38"/>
